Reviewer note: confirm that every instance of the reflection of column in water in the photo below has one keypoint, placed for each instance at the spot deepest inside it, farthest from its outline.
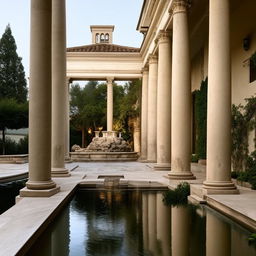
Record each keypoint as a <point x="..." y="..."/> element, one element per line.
<point x="217" y="236"/>
<point x="152" y="222"/>
<point x="180" y="231"/>
<point x="145" y="220"/>
<point x="163" y="225"/>
<point x="60" y="235"/>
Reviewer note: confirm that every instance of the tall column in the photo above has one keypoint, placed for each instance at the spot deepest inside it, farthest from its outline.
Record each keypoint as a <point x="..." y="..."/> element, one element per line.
<point x="40" y="183"/>
<point x="67" y="121"/>
<point x="181" y="95"/>
<point x="218" y="174"/>
<point x="164" y="103"/>
<point x="144" y="114"/>
<point x="152" y="101"/>
<point x="58" y="88"/>
<point x="110" y="103"/>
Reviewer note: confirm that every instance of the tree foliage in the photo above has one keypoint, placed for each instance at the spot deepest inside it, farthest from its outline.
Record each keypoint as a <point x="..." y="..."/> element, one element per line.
<point x="12" y="76"/>
<point x="13" y="115"/>
<point x="89" y="106"/>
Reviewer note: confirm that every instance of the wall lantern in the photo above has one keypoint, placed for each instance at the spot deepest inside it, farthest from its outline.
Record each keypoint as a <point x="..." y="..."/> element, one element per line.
<point x="246" y="43"/>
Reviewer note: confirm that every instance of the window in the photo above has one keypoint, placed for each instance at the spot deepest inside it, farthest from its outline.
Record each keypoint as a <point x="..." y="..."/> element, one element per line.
<point x="107" y="37"/>
<point x="97" y="38"/>
<point x="252" y="71"/>
<point x="102" y="38"/>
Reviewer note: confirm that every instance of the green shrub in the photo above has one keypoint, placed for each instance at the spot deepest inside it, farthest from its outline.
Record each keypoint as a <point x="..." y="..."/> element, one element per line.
<point x="194" y="158"/>
<point x="252" y="239"/>
<point x="243" y="176"/>
<point x="14" y="148"/>
<point x="234" y="174"/>
<point x="177" y="196"/>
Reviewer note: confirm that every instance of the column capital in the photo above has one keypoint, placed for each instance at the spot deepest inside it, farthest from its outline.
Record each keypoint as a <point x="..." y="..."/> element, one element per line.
<point x="68" y="79"/>
<point x="179" y="6"/>
<point x="110" y="80"/>
<point x="144" y="70"/>
<point x="152" y="59"/>
<point x="163" y="37"/>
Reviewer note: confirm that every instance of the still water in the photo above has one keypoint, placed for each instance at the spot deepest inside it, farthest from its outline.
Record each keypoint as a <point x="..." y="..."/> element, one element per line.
<point x="134" y="223"/>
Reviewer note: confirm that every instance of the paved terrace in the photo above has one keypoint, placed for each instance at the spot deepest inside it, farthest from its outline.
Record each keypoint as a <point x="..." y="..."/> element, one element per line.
<point x="29" y="217"/>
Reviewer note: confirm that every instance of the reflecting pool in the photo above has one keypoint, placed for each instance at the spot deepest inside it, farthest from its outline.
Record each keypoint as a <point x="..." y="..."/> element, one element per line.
<point x="136" y="222"/>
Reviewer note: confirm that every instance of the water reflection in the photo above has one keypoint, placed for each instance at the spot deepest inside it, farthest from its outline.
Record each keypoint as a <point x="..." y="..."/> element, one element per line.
<point x="131" y="223"/>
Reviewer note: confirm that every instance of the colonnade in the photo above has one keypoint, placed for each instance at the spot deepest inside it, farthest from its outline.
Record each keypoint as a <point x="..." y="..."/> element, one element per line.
<point x="166" y="100"/>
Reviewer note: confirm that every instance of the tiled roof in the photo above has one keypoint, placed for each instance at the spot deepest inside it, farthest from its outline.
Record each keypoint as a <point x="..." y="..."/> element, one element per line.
<point x="103" y="48"/>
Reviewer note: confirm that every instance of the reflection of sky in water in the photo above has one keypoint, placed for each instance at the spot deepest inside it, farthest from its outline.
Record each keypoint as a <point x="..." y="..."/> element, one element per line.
<point x="128" y="223"/>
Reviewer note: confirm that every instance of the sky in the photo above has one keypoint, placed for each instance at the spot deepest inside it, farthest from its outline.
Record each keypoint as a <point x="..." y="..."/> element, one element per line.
<point x="124" y="14"/>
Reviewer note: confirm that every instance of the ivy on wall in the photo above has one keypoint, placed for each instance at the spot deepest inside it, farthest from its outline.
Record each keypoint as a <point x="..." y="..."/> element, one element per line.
<point x="243" y="121"/>
<point x="201" y="119"/>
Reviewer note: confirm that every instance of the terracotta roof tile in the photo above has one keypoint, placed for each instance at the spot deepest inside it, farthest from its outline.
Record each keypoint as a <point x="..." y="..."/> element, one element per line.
<point x="103" y="48"/>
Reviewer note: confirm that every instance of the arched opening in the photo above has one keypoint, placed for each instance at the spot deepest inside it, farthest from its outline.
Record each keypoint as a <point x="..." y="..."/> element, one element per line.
<point x="107" y="38"/>
<point x="102" y="38"/>
<point x="97" y="38"/>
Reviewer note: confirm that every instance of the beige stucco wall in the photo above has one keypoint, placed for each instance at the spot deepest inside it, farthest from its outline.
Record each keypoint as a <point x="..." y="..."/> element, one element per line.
<point x="197" y="70"/>
<point x="242" y="24"/>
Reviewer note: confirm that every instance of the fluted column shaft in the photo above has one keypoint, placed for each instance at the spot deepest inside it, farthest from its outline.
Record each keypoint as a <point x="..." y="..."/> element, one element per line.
<point x="181" y="95"/>
<point x="164" y="102"/>
<point x="152" y="101"/>
<point x="40" y="102"/>
<point x="218" y="176"/>
<point x="144" y="114"/>
<point x="58" y="87"/>
<point x="110" y="104"/>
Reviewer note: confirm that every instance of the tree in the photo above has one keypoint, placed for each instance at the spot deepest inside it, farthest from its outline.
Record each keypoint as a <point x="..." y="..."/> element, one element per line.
<point x="88" y="107"/>
<point x="12" y="76"/>
<point x="13" y="115"/>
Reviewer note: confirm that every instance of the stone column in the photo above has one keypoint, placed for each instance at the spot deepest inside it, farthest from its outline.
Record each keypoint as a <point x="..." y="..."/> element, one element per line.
<point x="58" y="88"/>
<point x="218" y="173"/>
<point x="67" y="121"/>
<point x="40" y="183"/>
<point x="164" y="103"/>
<point x="110" y="103"/>
<point x="181" y="95"/>
<point x="144" y="114"/>
<point x="152" y="101"/>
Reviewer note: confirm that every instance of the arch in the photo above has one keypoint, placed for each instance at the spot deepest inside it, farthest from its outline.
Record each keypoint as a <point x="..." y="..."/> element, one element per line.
<point x="97" y="38"/>
<point x="102" y="38"/>
<point x="107" y="37"/>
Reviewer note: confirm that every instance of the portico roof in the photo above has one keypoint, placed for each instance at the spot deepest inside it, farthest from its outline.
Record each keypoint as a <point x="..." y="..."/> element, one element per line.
<point x="102" y="48"/>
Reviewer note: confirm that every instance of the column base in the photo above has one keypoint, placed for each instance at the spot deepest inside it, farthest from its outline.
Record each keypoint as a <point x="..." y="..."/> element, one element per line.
<point x="181" y="175"/>
<point x="68" y="159"/>
<point x="211" y="188"/>
<point x="162" y="167"/>
<point x="60" y="172"/>
<point x="25" y="192"/>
